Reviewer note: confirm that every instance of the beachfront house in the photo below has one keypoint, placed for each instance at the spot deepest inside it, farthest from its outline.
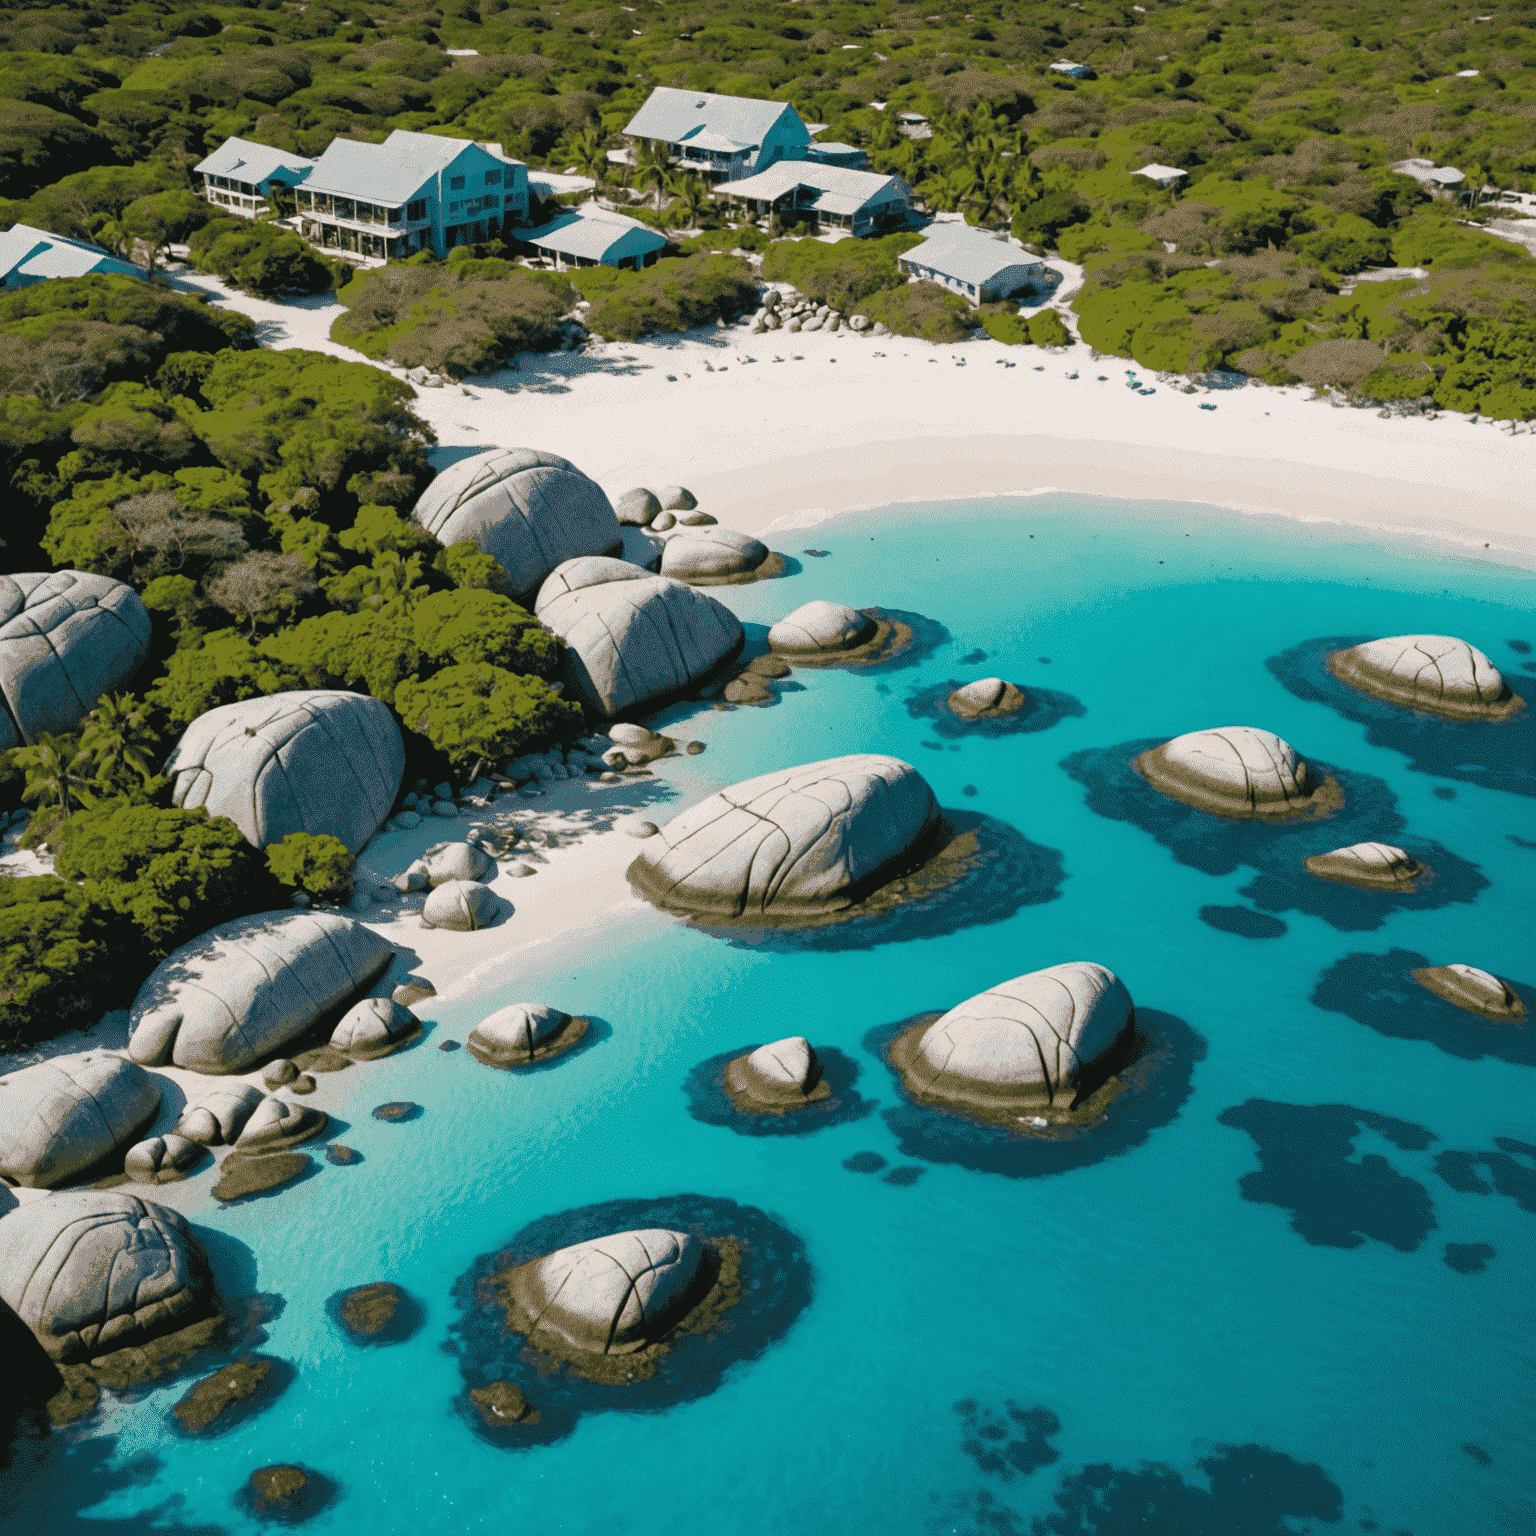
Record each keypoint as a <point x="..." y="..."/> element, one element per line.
<point x="240" y="176"/>
<point x="723" y="137"/>
<point x="1164" y="176"/>
<point x="596" y="240"/>
<point x="826" y="196"/>
<point x="980" y="267"/>
<point x="29" y="255"/>
<point x="413" y="192"/>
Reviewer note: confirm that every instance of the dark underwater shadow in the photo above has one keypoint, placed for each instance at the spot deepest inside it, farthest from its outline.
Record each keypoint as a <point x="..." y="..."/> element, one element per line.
<point x="1492" y="755"/>
<point x="1379" y="991"/>
<point x="405" y="1323"/>
<point x="1043" y="708"/>
<point x="1008" y="873"/>
<point x="928" y="636"/>
<point x="708" y="1102"/>
<point x="1158" y="1082"/>
<point x="1242" y="922"/>
<point x="1217" y="845"/>
<point x="1335" y="1201"/>
<point x="777" y="1284"/>
<point x="1508" y="1170"/>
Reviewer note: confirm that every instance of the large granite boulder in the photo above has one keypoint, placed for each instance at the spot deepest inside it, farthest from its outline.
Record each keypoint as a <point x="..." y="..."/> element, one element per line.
<point x="1235" y="770"/>
<point x="820" y="626"/>
<point x="1372" y="866"/>
<point x="1473" y="990"/>
<point x="218" y="1115"/>
<point x="530" y="510"/>
<point x="60" y="1116"/>
<point x="92" y="1270"/>
<point x="636" y="508"/>
<point x="460" y="905"/>
<point x="317" y="761"/>
<point x="988" y="698"/>
<point x="161" y="1159"/>
<point x="66" y="638"/>
<point x="246" y="988"/>
<point x="779" y="1076"/>
<point x="1434" y="673"/>
<point x="713" y="556"/>
<point x="1032" y="1040"/>
<point x="374" y="1027"/>
<point x="522" y="1033"/>
<point x="676" y="498"/>
<point x="634" y="639"/>
<point x="794" y="844"/>
<point x="455" y="861"/>
<point x="612" y="1295"/>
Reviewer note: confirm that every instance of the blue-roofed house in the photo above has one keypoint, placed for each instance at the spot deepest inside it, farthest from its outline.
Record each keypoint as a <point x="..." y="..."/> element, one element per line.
<point x="720" y="136"/>
<point x="413" y="192"/>
<point x="596" y="239"/>
<point x="978" y="266"/>
<point x="827" y="196"/>
<point x="30" y="256"/>
<point x="239" y="175"/>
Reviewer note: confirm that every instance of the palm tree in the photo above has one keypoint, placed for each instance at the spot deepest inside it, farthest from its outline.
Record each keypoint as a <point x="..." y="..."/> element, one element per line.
<point x="118" y="742"/>
<point x="590" y="156"/>
<point x="689" y="197"/>
<point x="651" y="168"/>
<point x="50" y="764"/>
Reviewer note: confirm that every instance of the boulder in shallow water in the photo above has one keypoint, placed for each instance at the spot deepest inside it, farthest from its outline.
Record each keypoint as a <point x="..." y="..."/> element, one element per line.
<point x="276" y="1123"/>
<point x="60" y="1116"/>
<point x="1236" y="770"/>
<point x="460" y="905"/>
<point x="1434" y="673"/>
<point x="161" y="1159"/>
<point x="612" y="1295"/>
<point x="636" y="508"/>
<point x="1476" y="991"/>
<point x="93" y="1270"/>
<point x="1038" y="1039"/>
<point x="244" y="989"/>
<point x="1373" y="866"/>
<point x="374" y="1027"/>
<point x="780" y="1076"/>
<point x="791" y="845"/>
<point x="820" y="626"/>
<point x="715" y="556"/>
<point x="317" y="761"/>
<point x="988" y="698"/>
<point x="522" y="1033"/>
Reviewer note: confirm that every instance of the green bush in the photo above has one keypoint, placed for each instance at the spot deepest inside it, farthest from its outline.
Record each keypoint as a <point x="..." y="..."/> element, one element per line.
<point x="317" y="864"/>
<point x="373" y="649"/>
<point x="673" y="295"/>
<point x="840" y="274"/>
<point x="59" y="960"/>
<point x="1039" y="222"/>
<point x="224" y="669"/>
<point x="1005" y="325"/>
<point x="1048" y="329"/>
<point x="746" y="237"/>
<point x="922" y="309"/>
<point x="474" y="626"/>
<point x="477" y="712"/>
<point x="261" y="258"/>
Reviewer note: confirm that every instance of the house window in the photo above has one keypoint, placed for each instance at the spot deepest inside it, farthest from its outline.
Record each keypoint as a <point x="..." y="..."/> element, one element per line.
<point x="493" y="178"/>
<point x="455" y="183"/>
<point x="455" y="207"/>
<point x="416" y="210"/>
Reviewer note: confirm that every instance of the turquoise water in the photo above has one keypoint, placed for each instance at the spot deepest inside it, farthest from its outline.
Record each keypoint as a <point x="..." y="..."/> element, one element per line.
<point x="1181" y="1351"/>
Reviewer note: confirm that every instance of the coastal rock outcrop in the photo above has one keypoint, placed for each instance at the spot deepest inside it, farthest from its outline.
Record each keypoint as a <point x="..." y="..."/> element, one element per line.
<point x="820" y="626"/>
<point x="59" y="1117"/>
<point x="528" y="509"/>
<point x="93" y="1270"/>
<point x="66" y="638"/>
<point x="716" y="556"/>
<point x="161" y="1159"/>
<point x="240" y="1115"/>
<point x="318" y="761"/>
<point x="244" y="989"/>
<point x="636" y="508"/>
<point x="988" y="698"/>
<point x="460" y="905"/>
<point x="780" y="1076"/>
<point x="1476" y="991"/>
<point x="612" y="1295"/>
<point x="634" y="639"/>
<point x="1031" y="1041"/>
<point x="523" y="1033"/>
<point x="1374" y="866"/>
<point x="676" y="498"/>
<point x="1236" y="770"/>
<point x="374" y="1027"/>
<point x="793" y="844"/>
<point x="1437" y="674"/>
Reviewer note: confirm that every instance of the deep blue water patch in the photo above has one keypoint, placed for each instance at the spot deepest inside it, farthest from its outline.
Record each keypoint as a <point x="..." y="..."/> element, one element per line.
<point x="777" y="1284"/>
<point x="708" y="1102"/>
<point x="1492" y="754"/>
<point x="1468" y="1258"/>
<point x="905" y="1176"/>
<point x="1478" y="1454"/>
<point x="1244" y="922"/>
<point x="860" y="1162"/>
<point x="1043" y="708"/>
<point x="1335" y="1200"/>
<point x="1157" y="1081"/>
<point x="1379" y="991"/>
<point x="1007" y="1442"/>
<point x="1510" y="1170"/>
<point x="973" y="658"/>
<point x="1519" y="647"/>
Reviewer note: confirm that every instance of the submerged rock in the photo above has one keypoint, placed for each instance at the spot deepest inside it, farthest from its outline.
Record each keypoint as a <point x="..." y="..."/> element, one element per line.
<point x="242" y="1174"/>
<point x="1434" y="673"/>
<point x="502" y="1405"/>
<point x="460" y="905"/>
<point x="775" y="1078"/>
<point x="59" y="1117"/>
<point x="287" y="1493"/>
<point x="716" y="556"/>
<point x="792" y="844"/>
<point x="374" y="1027"/>
<point x="246" y="988"/>
<point x="373" y="1314"/>
<point x="1476" y="991"/>
<point x="218" y="1400"/>
<point x="1039" y="1039"/>
<point x="1236" y="770"/>
<point x="989" y="698"/>
<point x="1375" y="866"/>
<point x="522" y="1033"/>
<point x="93" y="1270"/>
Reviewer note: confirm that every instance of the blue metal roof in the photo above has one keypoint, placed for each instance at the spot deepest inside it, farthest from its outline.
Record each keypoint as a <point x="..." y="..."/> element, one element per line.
<point x="245" y="161"/>
<point x="28" y="253"/>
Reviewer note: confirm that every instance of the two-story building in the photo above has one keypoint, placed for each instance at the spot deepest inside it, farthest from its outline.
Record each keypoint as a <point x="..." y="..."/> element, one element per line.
<point x="413" y="192"/>
<point x="826" y="196"/>
<point x="240" y="176"/>
<point x="723" y="137"/>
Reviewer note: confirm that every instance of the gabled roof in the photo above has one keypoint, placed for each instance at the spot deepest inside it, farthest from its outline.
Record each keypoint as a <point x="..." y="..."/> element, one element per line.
<point x="967" y="255"/>
<point x="1156" y="172"/>
<point x="246" y="161"/>
<point x="30" y="252"/>
<point x="391" y="172"/>
<point x="676" y="116"/>
<point x="840" y="189"/>
<point x="594" y="236"/>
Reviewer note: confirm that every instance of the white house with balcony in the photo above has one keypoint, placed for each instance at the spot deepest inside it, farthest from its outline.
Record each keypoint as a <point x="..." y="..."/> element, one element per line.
<point x="726" y="137"/>
<point x="413" y="192"/>
<point x="240" y="176"/>
<point x="978" y="266"/>
<point x="827" y="196"/>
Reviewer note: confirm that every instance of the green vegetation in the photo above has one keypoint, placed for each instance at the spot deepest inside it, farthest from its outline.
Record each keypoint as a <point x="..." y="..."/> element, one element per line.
<point x="58" y="959"/>
<point x="841" y="274"/>
<point x="673" y="295"/>
<point x="473" y="713"/>
<point x="319" y="865"/>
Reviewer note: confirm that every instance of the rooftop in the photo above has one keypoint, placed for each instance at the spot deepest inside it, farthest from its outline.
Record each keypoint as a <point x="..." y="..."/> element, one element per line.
<point x="393" y="171"/>
<point x="246" y="161"/>
<point x="1156" y="172"/>
<point x="966" y="254"/>
<point x="592" y="235"/>
<point x="679" y="116"/>
<point x="41" y="253"/>
<point x="839" y="188"/>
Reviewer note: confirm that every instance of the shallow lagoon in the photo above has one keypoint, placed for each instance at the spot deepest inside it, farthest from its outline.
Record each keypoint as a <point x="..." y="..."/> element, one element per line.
<point x="984" y="1351"/>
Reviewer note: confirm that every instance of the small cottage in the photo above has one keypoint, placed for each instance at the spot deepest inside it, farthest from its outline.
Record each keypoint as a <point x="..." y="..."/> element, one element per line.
<point x="979" y="266"/>
<point x="826" y="196"/>
<point x="596" y="239"/>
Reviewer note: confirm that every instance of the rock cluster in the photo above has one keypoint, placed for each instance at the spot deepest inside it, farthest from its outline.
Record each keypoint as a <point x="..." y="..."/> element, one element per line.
<point x="637" y="508"/>
<point x="1037" y="1040"/>
<point x="374" y="1027"/>
<point x="319" y="761"/>
<point x="531" y="510"/>
<point x="775" y="1078"/>
<point x="523" y="1033"/>
<point x="1476" y="991"/>
<point x="242" y="1116"/>
<point x="66" y="638"/>
<point x="443" y="862"/>
<point x="988" y="698"/>
<point x="791" y="845"/>
<point x="1437" y="674"/>
<point x="59" y="1117"/>
<point x="634" y="639"/>
<point x="93" y="1270"/>
<point x="1374" y="866"/>
<point x="792" y="313"/>
<point x="670" y="505"/>
<point x="242" y="990"/>
<point x="1238" y="771"/>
